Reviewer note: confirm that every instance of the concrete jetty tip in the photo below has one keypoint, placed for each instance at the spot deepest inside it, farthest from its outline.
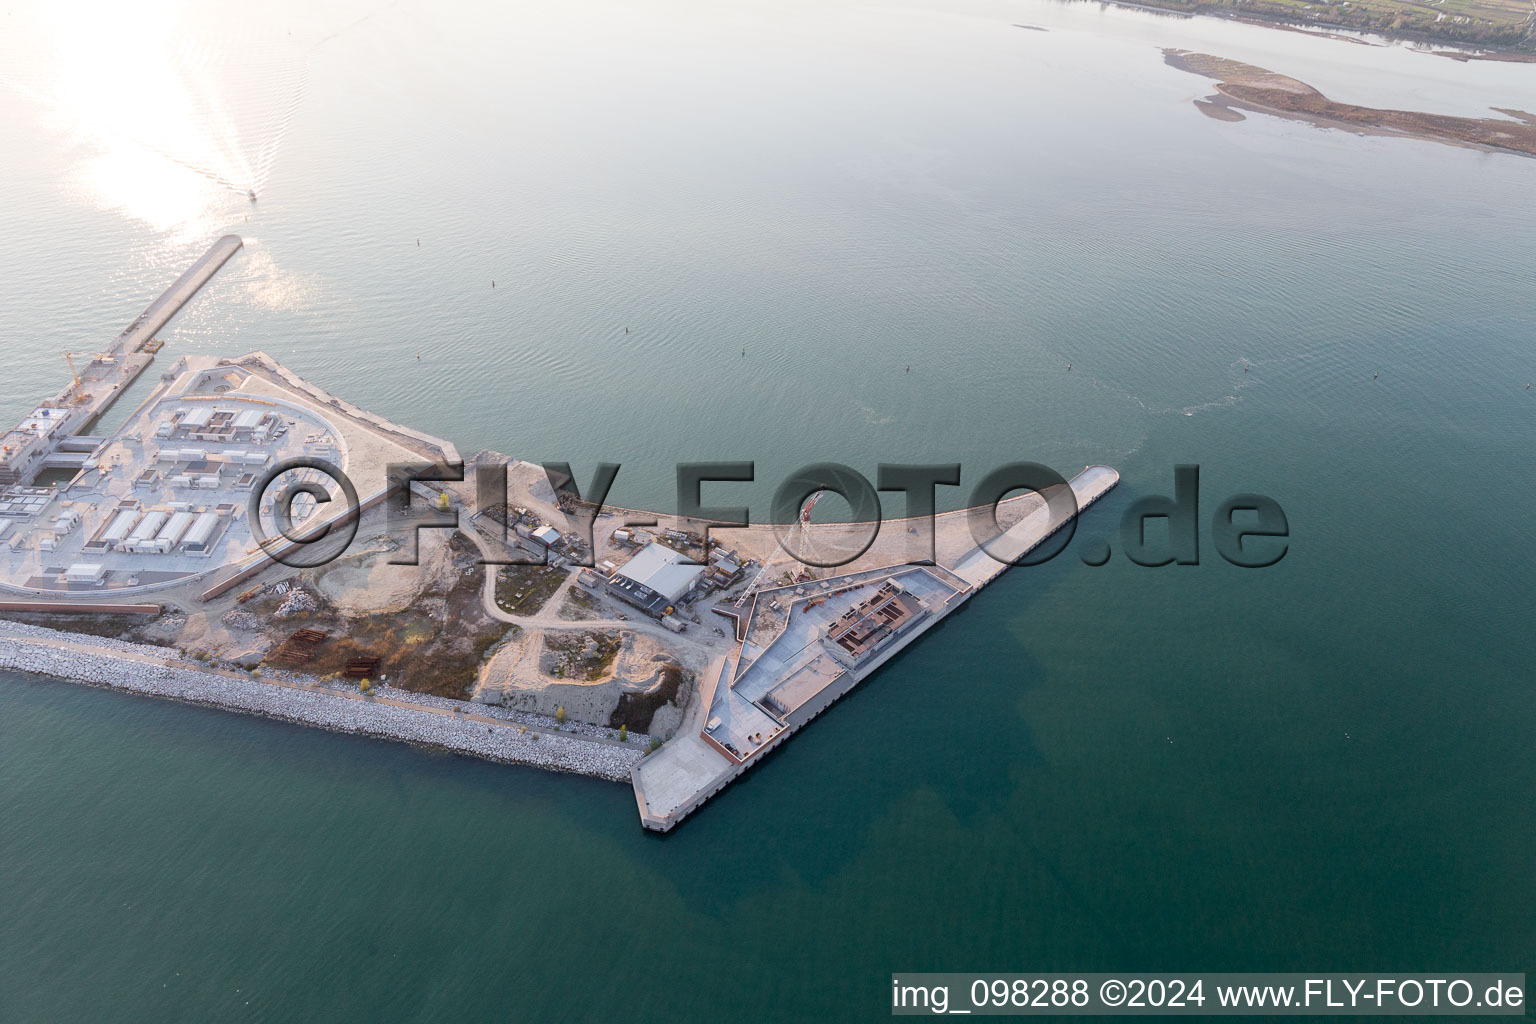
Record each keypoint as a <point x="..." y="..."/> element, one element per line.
<point x="814" y="643"/>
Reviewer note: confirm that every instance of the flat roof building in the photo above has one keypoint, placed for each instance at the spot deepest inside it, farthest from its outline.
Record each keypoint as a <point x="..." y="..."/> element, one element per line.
<point x="656" y="579"/>
<point x="194" y="419"/>
<point x="170" y="535"/>
<point x="119" y="527"/>
<point x="89" y="573"/>
<point x="200" y="538"/>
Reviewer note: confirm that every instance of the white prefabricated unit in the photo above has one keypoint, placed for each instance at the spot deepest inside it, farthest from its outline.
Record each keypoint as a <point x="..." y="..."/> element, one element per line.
<point x="200" y="536"/>
<point x="165" y="429"/>
<point x="169" y="455"/>
<point x="175" y="528"/>
<point x="89" y="573"/>
<point x="65" y="523"/>
<point x="249" y="420"/>
<point x="47" y="542"/>
<point x="234" y="455"/>
<point x="142" y="539"/>
<point x="194" y="418"/>
<point x="193" y="455"/>
<point x="207" y="483"/>
<point x="117" y="531"/>
<point x="257" y="458"/>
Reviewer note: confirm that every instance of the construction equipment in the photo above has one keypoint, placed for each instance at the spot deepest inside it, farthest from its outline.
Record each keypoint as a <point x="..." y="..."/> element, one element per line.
<point x="79" y="390"/>
<point x="797" y="533"/>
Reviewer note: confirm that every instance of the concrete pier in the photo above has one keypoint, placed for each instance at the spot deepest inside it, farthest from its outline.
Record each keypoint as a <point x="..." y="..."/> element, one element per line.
<point x="25" y="449"/>
<point x="139" y="336"/>
<point x="809" y="644"/>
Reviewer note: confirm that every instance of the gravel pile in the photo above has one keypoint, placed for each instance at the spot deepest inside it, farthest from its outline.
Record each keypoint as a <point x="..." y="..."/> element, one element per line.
<point x="139" y="668"/>
<point x="298" y="601"/>
<point x="237" y="619"/>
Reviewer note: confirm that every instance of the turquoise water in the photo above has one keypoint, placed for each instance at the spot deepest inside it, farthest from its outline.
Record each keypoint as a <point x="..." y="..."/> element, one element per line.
<point x="1324" y="765"/>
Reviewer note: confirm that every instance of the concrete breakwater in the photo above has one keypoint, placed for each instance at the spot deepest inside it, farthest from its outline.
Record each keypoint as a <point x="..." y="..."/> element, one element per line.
<point x="143" y="669"/>
<point x="159" y="313"/>
<point x="135" y="348"/>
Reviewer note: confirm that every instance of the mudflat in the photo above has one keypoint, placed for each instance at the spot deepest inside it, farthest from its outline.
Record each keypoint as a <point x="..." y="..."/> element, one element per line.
<point x="1242" y="86"/>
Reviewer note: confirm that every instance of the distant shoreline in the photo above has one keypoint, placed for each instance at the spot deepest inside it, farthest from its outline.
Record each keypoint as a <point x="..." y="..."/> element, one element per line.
<point x="1468" y="49"/>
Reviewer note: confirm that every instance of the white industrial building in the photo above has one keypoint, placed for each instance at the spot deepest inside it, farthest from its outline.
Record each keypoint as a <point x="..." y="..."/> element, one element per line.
<point x="655" y="580"/>
<point x="202" y="535"/>
<point x="87" y="573"/>
<point x="173" y="531"/>
<point x="142" y="539"/>
<point x="117" y="529"/>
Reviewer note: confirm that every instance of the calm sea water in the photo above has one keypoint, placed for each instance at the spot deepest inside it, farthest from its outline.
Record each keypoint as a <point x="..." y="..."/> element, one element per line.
<point x="1325" y="765"/>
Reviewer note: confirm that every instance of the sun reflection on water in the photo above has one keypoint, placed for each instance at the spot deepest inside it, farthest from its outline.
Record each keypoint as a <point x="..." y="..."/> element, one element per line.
<point x="177" y="124"/>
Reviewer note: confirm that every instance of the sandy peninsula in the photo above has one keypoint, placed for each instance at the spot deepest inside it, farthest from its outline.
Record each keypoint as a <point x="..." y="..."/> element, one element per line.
<point x="1241" y="87"/>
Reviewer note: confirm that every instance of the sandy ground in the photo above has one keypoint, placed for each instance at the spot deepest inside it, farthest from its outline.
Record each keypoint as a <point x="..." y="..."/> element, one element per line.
<point x="365" y="580"/>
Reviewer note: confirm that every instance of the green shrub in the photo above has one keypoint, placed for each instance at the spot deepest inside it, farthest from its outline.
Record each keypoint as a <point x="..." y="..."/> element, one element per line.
<point x="560" y="714"/>
<point x="623" y="734"/>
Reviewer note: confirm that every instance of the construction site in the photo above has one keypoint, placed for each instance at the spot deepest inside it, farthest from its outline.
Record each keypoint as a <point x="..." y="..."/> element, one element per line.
<point x="671" y="651"/>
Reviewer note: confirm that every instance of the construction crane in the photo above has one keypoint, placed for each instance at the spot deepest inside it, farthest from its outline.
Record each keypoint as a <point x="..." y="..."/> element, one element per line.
<point x="79" y="391"/>
<point x="69" y="357"/>
<point x="797" y="534"/>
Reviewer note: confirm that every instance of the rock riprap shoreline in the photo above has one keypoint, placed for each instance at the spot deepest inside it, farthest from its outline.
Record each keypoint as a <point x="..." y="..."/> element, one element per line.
<point x="148" y="670"/>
